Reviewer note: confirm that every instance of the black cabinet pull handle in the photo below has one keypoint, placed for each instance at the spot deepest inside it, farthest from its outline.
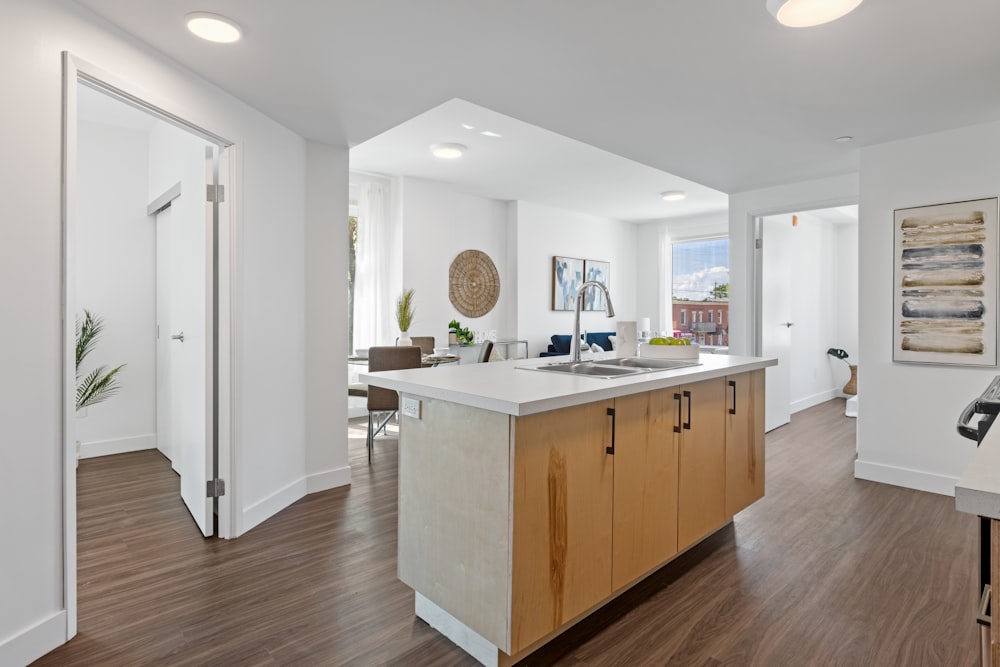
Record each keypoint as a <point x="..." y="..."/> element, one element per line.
<point x="677" y="426"/>
<point x="687" y="424"/>
<point x="732" y="410"/>
<point x="611" y="449"/>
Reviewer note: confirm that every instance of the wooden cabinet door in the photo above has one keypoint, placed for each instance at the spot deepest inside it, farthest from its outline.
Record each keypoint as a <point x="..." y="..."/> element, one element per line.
<point x="645" y="489"/>
<point x="562" y="509"/>
<point x="701" y="491"/>
<point x="744" y="440"/>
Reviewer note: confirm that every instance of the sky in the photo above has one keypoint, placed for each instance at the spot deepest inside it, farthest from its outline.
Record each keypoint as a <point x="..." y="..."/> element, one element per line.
<point x="698" y="266"/>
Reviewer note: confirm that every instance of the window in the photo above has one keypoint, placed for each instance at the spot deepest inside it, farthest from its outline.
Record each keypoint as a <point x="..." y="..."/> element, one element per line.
<point x="700" y="274"/>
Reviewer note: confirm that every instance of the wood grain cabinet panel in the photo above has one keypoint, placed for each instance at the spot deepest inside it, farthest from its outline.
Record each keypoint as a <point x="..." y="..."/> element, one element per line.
<point x="744" y="440"/>
<point x="645" y="507"/>
<point x="701" y="490"/>
<point x="562" y="511"/>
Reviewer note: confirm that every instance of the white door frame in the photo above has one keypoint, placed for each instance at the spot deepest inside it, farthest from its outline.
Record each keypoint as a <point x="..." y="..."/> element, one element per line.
<point x="76" y="71"/>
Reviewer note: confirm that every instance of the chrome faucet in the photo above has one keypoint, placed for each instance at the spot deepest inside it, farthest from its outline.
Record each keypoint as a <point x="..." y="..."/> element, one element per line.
<point x="574" y="344"/>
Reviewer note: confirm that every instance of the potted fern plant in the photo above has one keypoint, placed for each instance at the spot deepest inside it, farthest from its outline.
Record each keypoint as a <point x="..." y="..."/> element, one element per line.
<point x="405" y="310"/>
<point x="99" y="384"/>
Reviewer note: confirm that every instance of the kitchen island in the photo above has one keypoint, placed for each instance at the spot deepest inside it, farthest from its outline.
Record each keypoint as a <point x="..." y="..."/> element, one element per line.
<point x="978" y="492"/>
<point x="529" y="499"/>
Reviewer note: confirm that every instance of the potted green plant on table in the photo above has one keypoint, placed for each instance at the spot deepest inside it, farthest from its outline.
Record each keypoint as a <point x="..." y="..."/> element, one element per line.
<point x="405" y="311"/>
<point x="462" y="334"/>
<point x="851" y="388"/>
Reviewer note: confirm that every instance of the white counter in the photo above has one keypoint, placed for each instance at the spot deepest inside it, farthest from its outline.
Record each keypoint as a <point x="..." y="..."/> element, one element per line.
<point x="510" y="387"/>
<point x="978" y="489"/>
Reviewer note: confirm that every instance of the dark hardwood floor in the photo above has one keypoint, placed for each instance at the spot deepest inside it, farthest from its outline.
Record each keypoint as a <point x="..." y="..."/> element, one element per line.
<point x="825" y="570"/>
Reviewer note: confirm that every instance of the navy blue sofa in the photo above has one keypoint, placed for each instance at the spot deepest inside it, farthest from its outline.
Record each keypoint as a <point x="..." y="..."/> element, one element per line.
<point x="560" y="343"/>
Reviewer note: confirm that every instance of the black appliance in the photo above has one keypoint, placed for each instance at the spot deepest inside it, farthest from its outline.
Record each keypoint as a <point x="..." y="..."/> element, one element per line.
<point x="986" y="407"/>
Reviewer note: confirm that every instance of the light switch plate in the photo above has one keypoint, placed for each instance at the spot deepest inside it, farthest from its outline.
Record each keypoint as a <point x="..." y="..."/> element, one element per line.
<point x="411" y="407"/>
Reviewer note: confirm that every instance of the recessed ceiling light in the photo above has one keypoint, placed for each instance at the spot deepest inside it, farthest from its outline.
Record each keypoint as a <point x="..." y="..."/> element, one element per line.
<point x="673" y="195"/>
<point x="468" y="127"/>
<point x="807" y="13"/>
<point x="213" y="27"/>
<point x="448" y="151"/>
<point x="844" y="139"/>
<point x="487" y="133"/>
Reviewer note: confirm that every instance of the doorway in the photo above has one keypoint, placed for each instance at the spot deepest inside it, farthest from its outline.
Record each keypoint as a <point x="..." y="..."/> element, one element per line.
<point x="207" y="290"/>
<point x="808" y="296"/>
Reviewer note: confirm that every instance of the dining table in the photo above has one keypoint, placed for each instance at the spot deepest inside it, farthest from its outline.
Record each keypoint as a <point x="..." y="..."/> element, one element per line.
<point x="426" y="361"/>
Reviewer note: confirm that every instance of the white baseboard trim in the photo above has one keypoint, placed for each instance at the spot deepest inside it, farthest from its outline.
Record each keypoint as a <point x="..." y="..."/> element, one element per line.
<point x="264" y="509"/>
<point x="459" y="633"/>
<point x="815" y="399"/>
<point x="134" y="443"/>
<point x="268" y="506"/>
<point x="328" y="479"/>
<point x="910" y="479"/>
<point x="31" y="644"/>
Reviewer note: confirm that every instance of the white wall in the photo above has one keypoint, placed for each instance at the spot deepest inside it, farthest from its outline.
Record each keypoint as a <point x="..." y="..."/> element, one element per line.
<point x="326" y="261"/>
<point x="543" y="232"/>
<point x="439" y="223"/>
<point x="116" y="280"/>
<point x="906" y="425"/>
<point x="810" y="270"/>
<point x="269" y="320"/>
<point x="846" y="296"/>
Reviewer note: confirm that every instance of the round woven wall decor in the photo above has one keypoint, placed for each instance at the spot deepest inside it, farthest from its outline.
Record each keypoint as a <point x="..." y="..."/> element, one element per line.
<point x="473" y="283"/>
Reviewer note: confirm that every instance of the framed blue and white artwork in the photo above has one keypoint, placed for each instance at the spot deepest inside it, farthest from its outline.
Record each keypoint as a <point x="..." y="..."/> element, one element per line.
<point x="601" y="272"/>
<point x="945" y="283"/>
<point x="567" y="276"/>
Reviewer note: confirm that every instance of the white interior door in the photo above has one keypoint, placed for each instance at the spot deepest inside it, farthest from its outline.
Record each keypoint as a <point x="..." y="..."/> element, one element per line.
<point x="185" y="341"/>
<point x="167" y="419"/>
<point x="777" y="323"/>
<point x="195" y="308"/>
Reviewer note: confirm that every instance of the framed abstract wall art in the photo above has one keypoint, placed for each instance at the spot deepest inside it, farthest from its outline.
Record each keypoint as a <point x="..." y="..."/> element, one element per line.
<point x="601" y="272"/>
<point x="945" y="283"/>
<point x="567" y="276"/>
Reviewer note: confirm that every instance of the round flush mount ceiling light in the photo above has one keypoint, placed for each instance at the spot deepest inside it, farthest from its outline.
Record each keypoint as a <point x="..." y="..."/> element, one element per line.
<point x="673" y="195"/>
<point x="448" y="151"/>
<point x="844" y="139"/>
<point x="213" y="27"/>
<point x="807" y="13"/>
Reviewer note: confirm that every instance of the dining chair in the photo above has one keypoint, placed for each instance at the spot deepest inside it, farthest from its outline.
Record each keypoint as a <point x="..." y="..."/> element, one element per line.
<point x="484" y="354"/>
<point x="425" y="343"/>
<point x="386" y="401"/>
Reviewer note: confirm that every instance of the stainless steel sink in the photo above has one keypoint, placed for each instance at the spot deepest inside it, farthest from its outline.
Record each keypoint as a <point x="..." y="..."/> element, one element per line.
<point x="647" y="363"/>
<point x="589" y="369"/>
<point x="614" y="368"/>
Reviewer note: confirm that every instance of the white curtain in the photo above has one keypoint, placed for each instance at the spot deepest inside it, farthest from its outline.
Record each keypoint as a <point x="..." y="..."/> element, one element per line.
<point x="665" y="316"/>
<point x="372" y="312"/>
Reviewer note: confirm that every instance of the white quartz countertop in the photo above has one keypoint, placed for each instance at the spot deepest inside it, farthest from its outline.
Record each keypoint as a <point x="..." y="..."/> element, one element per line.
<point x="978" y="489"/>
<point x="512" y="388"/>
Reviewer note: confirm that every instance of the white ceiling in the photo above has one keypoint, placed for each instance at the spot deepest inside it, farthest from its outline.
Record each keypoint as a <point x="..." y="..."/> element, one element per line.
<point x="714" y="91"/>
<point x="530" y="164"/>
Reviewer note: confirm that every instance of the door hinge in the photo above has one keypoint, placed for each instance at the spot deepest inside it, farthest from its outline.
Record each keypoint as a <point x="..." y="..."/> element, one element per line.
<point x="216" y="193"/>
<point x="758" y="243"/>
<point x="216" y="488"/>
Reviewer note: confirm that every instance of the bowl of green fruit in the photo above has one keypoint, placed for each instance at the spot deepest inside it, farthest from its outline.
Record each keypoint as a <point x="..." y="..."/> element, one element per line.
<point x="669" y="348"/>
